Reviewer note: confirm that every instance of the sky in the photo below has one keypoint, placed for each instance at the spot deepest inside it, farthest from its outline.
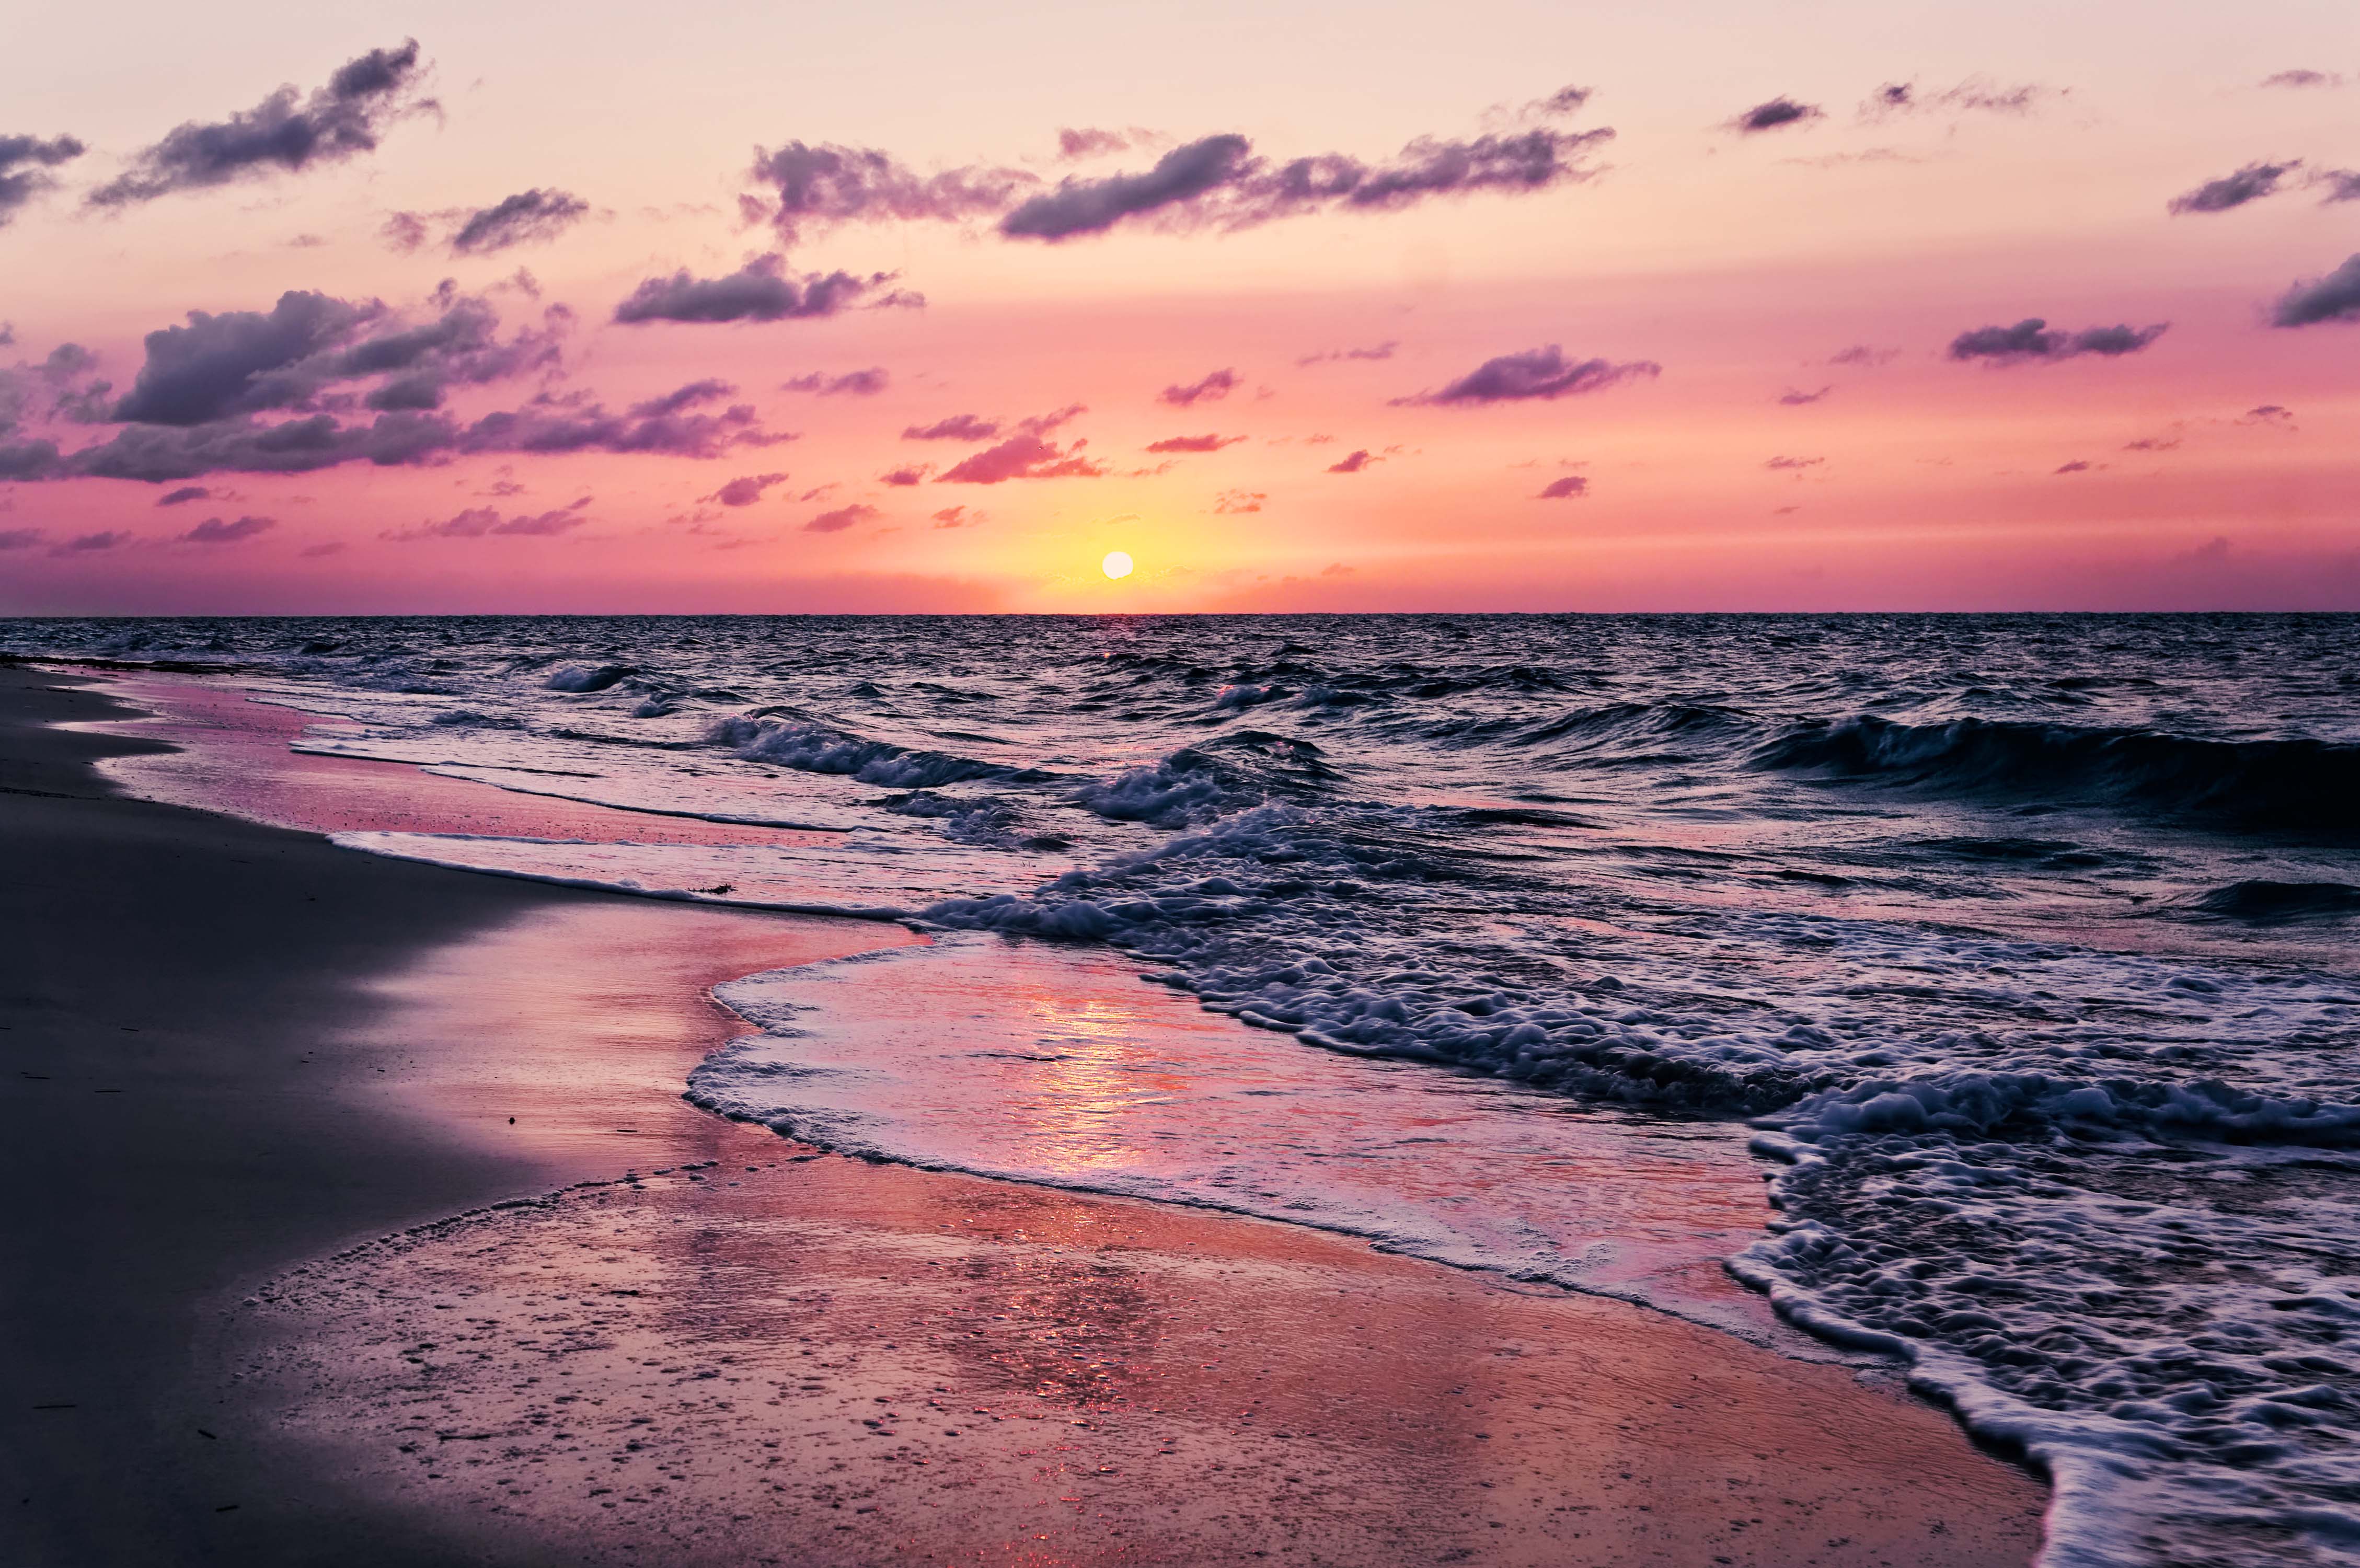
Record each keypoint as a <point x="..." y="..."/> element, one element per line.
<point x="913" y="307"/>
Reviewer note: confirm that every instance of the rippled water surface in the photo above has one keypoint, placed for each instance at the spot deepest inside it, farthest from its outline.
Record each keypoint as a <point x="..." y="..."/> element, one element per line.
<point x="2023" y="947"/>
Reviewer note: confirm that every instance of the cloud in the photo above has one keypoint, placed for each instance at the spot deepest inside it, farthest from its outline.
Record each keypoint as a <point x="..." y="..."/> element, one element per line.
<point x="1572" y="487"/>
<point x="957" y="517"/>
<point x="908" y="473"/>
<point x="485" y="522"/>
<point x="744" y="491"/>
<point x="1042" y="424"/>
<point x="212" y="530"/>
<point x="2077" y="467"/>
<point x="2031" y="342"/>
<point x="24" y="165"/>
<point x="85" y="544"/>
<point x="1240" y="500"/>
<point x="1864" y="355"/>
<point x="1382" y="351"/>
<point x="1769" y="116"/>
<point x="21" y="538"/>
<point x="1354" y="462"/>
<point x="2268" y="414"/>
<point x="1195" y="444"/>
<point x="1216" y="181"/>
<point x="819" y="187"/>
<point x="1214" y="387"/>
<point x="1795" y="398"/>
<point x="762" y="291"/>
<point x="1090" y="143"/>
<point x="185" y="493"/>
<point x="528" y="217"/>
<point x="283" y="133"/>
<point x="2343" y="184"/>
<point x="2302" y="79"/>
<point x="841" y="518"/>
<point x="2152" y="444"/>
<point x="403" y="232"/>
<point x="851" y="384"/>
<point x="1783" y="464"/>
<point x="1969" y="97"/>
<point x="2250" y="183"/>
<point x="1543" y="373"/>
<point x="695" y="393"/>
<point x="957" y="426"/>
<point x="2334" y="297"/>
<point x="331" y="547"/>
<point x="1023" y="457"/>
<point x="1564" y="101"/>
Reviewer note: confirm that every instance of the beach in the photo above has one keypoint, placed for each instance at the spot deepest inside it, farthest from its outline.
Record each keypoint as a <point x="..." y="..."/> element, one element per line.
<point x="258" y="1092"/>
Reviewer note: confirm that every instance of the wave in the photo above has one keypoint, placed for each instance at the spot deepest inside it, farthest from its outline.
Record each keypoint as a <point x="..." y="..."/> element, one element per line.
<point x="2263" y="902"/>
<point x="2298" y="785"/>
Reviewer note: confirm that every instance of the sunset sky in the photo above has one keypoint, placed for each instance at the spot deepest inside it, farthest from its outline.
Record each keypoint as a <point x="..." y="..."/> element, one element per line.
<point x="908" y="306"/>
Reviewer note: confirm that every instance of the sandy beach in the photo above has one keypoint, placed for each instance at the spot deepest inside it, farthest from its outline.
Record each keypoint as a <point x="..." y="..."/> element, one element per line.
<point x="295" y="1288"/>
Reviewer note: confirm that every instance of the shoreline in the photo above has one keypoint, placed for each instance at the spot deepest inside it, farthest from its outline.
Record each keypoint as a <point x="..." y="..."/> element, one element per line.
<point x="451" y="975"/>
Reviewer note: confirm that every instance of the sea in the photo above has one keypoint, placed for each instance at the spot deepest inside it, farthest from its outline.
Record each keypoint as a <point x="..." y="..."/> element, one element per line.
<point x="2015" y="957"/>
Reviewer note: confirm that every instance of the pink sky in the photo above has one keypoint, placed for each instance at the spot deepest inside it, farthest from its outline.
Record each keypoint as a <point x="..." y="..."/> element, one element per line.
<point x="2031" y="174"/>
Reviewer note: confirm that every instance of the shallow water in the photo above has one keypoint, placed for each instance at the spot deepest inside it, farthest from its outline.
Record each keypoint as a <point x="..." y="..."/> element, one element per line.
<point x="2023" y="947"/>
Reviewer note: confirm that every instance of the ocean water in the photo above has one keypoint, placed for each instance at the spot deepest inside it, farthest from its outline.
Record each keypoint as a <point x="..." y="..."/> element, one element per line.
<point x="2021" y="953"/>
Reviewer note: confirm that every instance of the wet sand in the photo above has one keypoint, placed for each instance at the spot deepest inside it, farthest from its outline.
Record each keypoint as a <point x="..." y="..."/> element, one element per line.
<point x="801" y="1360"/>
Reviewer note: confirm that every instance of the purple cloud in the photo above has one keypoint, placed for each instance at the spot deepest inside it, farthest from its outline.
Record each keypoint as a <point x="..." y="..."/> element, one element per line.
<point x="1862" y="355"/>
<point x="957" y="517"/>
<point x="1354" y="462"/>
<point x="1795" y="398"/>
<point x="2302" y="79"/>
<point x="1093" y="206"/>
<point x="819" y="187"/>
<point x="1783" y="464"/>
<point x="282" y="134"/>
<point x="2334" y="297"/>
<point x="1903" y="97"/>
<point x="24" y="165"/>
<point x="1212" y="388"/>
<point x="959" y="427"/>
<point x="212" y="530"/>
<point x="184" y="495"/>
<point x="1542" y="373"/>
<point x="2031" y="342"/>
<point x="841" y="518"/>
<point x="85" y="544"/>
<point x="851" y="384"/>
<point x="2250" y="183"/>
<point x="528" y="217"/>
<point x="1023" y="457"/>
<point x="908" y="473"/>
<point x="1382" y="351"/>
<point x="1572" y="487"/>
<point x="2077" y="467"/>
<point x="1771" y="115"/>
<point x="1195" y="444"/>
<point x="485" y="522"/>
<point x="744" y="491"/>
<point x="20" y="539"/>
<point x="1073" y="145"/>
<point x="762" y="291"/>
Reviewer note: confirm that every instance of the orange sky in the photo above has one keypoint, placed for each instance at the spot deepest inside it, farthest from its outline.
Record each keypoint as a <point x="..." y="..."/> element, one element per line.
<point x="1739" y="264"/>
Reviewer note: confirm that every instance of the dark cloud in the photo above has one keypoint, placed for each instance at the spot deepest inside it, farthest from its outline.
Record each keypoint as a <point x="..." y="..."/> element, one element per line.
<point x="1795" y="398"/>
<point x="908" y="473"/>
<point x="212" y="530"/>
<point x="1090" y="143"/>
<point x="1968" y="97"/>
<point x="957" y="517"/>
<point x="528" y="217"/>
<point x="1862" y="355"/>
<point x="851" y="384"/>
<point x="2250" y="183"/>
<point x="1564" y="101"/>
<point x="762" y="291"/>
<point x="1382" y="351"/>
<point x="2334" y="297"/>
<point x="1240" y="500"/>
<point x="284" y="133"/>
<point x="1023" y="457"/>
<point x="2268" y="414"/>
<point x="1195" y="444"/>
<point x="20" y="539"/>
<point x="1771" y="115"/>
<point x="1214" y="387"/>
<point x="84" y="544"/>
<point x="2031" y="342"/>
<point x="185" y="493"/>
<point x="2343" y="184"/>
<point x="959" y="427"/>
<point x="485" y="522"/>
<point x="696" y="394"/>
<point x="744" y="491"/>
<point x="1543" y="372"/>
<point x="1785" y="465"/>
<point x="1354" y="462"/>
<point x="24" y="165"/>
<point x="1572" y="487"/>
<point x="2303" y="79"/>
<point x="2077" y="467"/>
<point x="841" y="518"/>
<point x="2152" y="444"/>
<point x="1218" y="181"/>
<point x="818" y="187"/>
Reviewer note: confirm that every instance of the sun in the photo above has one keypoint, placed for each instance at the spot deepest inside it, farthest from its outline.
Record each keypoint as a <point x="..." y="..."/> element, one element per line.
<point x="1116" y="565"/>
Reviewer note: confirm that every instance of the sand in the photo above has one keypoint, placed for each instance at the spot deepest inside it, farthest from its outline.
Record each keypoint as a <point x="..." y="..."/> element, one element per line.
<point x="784" y="1358"/>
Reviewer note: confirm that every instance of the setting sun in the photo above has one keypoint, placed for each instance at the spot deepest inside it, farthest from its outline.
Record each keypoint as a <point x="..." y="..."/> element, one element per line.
<point x="1116" y="565"/>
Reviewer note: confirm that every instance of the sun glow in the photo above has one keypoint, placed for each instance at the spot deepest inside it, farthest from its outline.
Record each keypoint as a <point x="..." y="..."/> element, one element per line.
<point x="1116" y="565"/>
